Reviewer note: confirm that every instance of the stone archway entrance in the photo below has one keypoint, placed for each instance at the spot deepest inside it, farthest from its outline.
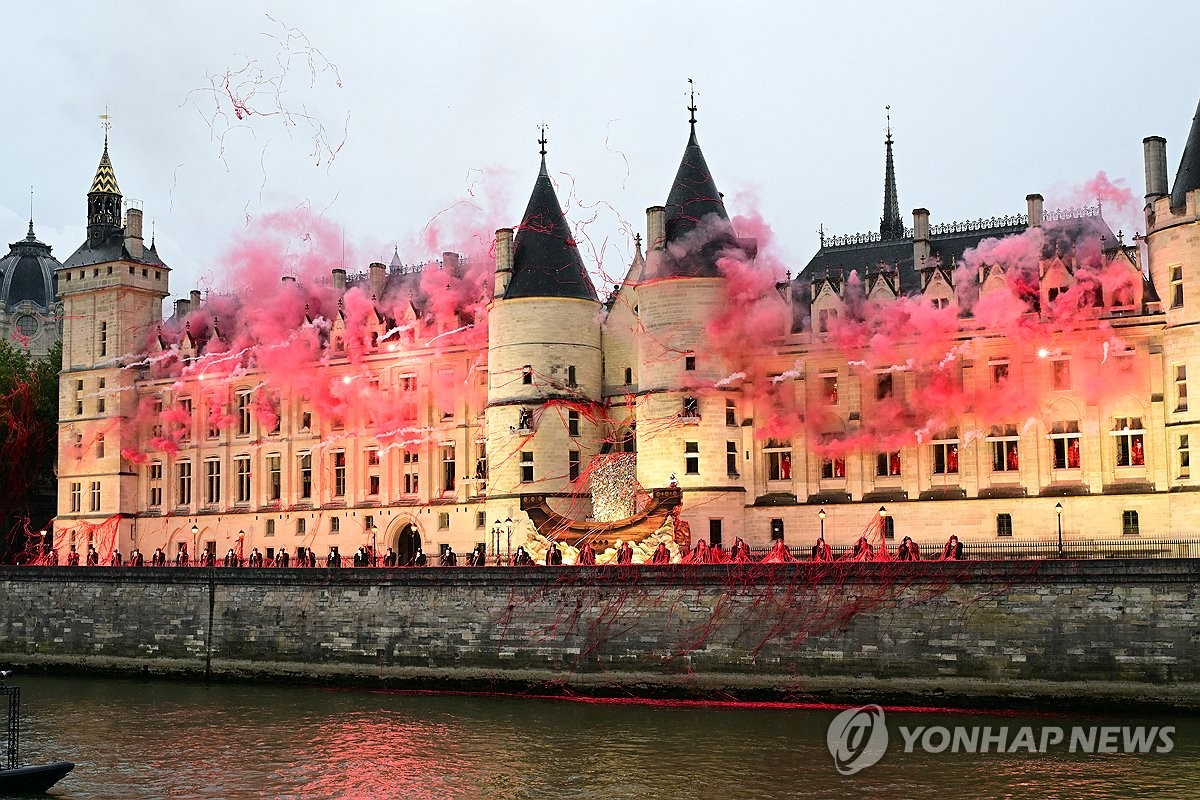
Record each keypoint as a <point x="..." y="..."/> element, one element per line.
<point x="408" y="542"/>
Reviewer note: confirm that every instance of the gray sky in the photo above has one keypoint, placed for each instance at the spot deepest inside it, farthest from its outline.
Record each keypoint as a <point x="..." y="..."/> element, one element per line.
<point x="439" y="103"/>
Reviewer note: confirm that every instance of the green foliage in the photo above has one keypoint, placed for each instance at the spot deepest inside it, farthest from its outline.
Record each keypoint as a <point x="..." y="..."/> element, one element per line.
<point x="28" y="433"/>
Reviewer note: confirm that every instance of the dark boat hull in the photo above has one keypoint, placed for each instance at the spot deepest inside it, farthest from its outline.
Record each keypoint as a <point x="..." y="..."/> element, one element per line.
<point x="33" y="779"/>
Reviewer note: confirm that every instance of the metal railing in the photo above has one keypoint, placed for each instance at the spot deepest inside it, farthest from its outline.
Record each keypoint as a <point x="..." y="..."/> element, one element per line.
<point x="1025" y="549"/>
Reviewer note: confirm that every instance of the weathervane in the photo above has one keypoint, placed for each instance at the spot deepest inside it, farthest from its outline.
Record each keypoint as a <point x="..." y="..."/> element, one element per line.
<point x="692" y="94"/>
<point x="888" y="111"/>
<point x="542" y="139"/>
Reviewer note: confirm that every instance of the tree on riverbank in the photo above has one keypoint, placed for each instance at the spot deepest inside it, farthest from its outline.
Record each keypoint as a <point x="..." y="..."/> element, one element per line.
<point x="28" y="445"/>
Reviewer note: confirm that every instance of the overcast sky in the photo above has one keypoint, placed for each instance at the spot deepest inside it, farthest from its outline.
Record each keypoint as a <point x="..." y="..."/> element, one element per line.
<point x="431" y="104"/>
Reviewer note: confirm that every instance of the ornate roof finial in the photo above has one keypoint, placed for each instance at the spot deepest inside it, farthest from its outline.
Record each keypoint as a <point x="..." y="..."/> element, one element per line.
<point x="542" y="138"/>
<point x="692" y="104"/>
<point x="888" y="111"/>
<point x="30" y="235"/>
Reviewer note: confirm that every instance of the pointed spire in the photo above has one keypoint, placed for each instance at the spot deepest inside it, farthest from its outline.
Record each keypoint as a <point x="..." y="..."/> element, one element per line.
<point x="106" y="178"/>
<point x="546" y="260"/>
<point x="692" y="109"/>
<point x="694" y="194"/>
<point x="395" y="262"/>
<point x="890" y="225"/>
<point x="30" y="235"/>
<point x="1187" y="179"/>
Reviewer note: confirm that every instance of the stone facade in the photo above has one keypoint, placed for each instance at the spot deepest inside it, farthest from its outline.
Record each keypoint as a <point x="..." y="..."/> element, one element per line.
<point x="563" y="379"/>
<point x="1114" y="630"/>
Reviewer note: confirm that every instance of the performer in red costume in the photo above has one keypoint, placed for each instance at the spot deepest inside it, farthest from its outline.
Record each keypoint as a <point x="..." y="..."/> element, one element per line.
<point x="779" y="554"/>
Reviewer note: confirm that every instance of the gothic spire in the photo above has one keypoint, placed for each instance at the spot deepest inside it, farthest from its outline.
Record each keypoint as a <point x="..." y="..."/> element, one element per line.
<point x="104" y="198"/>
<point x="890" y="225"/>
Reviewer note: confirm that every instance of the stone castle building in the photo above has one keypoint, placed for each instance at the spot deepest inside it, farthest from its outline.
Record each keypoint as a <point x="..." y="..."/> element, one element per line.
<point x="576" y="401"/>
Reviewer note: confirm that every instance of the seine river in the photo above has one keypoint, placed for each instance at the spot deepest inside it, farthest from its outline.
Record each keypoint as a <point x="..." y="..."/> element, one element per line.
<point x="154" y="739"/>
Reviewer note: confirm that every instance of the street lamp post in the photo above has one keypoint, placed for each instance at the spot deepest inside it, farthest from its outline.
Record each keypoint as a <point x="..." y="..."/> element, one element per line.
<point x="882" y="526"/>
<point x="1058" y="513"/>
<point x="196" y="542"/>
<point x="508" y="545"/>
<point x="821" y="515"/>
<point x="496" y="540"/>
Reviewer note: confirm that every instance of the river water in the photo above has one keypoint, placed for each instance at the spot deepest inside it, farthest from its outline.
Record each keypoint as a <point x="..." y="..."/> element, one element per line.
<point x="157" y="739"/>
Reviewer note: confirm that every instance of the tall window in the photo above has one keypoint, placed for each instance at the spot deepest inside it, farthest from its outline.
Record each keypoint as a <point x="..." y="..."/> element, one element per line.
<point x="1004" y="525"/>
<point x="829" y="388"/>
<point x="270" y="527"/>
<point x="689" y="362"/>
<point x="945" y="453"/>
<point x="691" y="408"/>
<point x="999" y="372"/>
<point x="731" y="459"/>
<point x="628" y="376"/>
<point x="243" y="413"/>
<point x="691" y="458"/>
<point x="527" y="375"/>
<point x="1065" y="437"/>
<point x="274" y="476"/>
<point x="887" y="464"/>
<point x="155" y="483"/>
<point x="1176" y="287"/>
<point x="572" y="423"/>
<point x="1181" y="388"/>
<point x="884" y="386"/>
<point x="339" y="473"/>
<point x="730" y="414"/>
<point x="1129" y="435"/>
<point x="76" y="498"/>
<point x="185" y="408"/>
<point x="526" y="466"/>
<point x="373" y="471"/>
<point x="212" y="481"/>
<point x="100" y="397"/>
<point x="570" y="376"/>
<point x="1129" y="523"/>
<point x="1185" y="457"/>
<point x="448" y="472"/>
<point x="1004" y="442"/>
<point x="103" y="339"/>
<point x="241" y="467"/>
<point x="183" y="483"/>
<point x="301" y="526"/>
<point x="412" y="470"/>
<point x="335" y="524"/>
<point x="833" y="466"/>
<point x="95" y="496"/>
<point x="79" y="398"/>
<point x="100" y="445"/>
<point x="779" y="460"/>
<point x="305" y="464"/>
<point x="573" y="465"/>
<point x="1061" y="374"/>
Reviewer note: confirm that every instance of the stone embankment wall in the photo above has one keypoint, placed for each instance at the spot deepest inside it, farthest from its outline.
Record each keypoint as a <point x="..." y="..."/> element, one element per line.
<point x="1041" y="632"/>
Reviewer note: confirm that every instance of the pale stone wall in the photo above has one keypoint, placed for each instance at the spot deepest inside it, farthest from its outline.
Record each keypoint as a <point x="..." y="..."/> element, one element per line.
<point x="1049" y="632"/>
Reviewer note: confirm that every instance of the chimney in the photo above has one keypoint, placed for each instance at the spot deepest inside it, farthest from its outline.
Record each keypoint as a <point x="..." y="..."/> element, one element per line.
<point x="195" y="299"/>
<point x="656" y="227"/>
<point x="921" y="249"/>
<point x="504" y="261"/>
<point x="451" y="263"/>
<point x="1035" y="205"/>
<point x="377" y="278"/>
<point x="1154" y="149"/>
<point x="339" y="280"/>
<point x="182" y="307"/>
<point x="133" y="232"/>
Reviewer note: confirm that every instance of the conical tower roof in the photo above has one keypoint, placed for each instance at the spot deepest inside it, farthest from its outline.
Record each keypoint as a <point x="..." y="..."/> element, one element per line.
<point x="890" y="224"/>
<point x="106" y="179"/>
<point x="546" y="261"/>
<point x="694" y="194"/>
<point x="1187" y="178"/>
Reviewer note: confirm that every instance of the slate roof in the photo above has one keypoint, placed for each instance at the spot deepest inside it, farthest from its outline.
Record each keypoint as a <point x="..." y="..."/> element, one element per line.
<point x="1187" y="179"/>
<point x="27" y="273"/>
<point x="546" y="261"/>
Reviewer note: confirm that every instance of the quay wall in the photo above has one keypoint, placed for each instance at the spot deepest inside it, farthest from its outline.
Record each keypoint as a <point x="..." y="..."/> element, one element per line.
<point x="1043" y="633"/>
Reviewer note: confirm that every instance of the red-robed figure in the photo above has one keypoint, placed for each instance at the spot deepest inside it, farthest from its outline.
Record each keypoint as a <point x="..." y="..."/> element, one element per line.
<point x="778" y="554"/>
<point x="661" y="555"/>
<point x="821" y="551"/>
<point x="587" y="555"/>
<point x="740" y="552"/>
<point x="624" y="554"/>
<point x="699" y="554"/>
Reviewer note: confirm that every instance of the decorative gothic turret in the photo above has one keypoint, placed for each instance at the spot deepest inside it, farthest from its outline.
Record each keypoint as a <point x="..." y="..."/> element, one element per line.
<point x="104" y="202"/>
<point x="890" y="224"/>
